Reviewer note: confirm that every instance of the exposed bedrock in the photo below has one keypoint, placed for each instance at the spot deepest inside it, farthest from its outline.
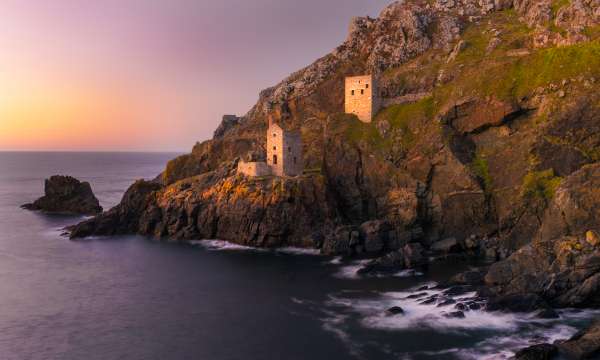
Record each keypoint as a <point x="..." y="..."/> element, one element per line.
<point x="487" y="147"/>
<point x="66" y="195"/>
<point x="562" y="263"/>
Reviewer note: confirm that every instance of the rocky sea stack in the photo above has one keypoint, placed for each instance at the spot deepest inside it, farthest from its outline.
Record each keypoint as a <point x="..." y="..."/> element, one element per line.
<point x="66" y="195"/>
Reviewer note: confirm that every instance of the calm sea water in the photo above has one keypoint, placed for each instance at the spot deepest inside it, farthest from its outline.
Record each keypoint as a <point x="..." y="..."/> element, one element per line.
<point x="134" y="298"/>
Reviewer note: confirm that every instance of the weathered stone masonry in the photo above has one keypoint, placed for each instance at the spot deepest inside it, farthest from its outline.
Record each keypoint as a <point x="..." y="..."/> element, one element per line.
<point x="361" y="97"/>
<point x="284" y="155"/>
<point x="284" y="151"/>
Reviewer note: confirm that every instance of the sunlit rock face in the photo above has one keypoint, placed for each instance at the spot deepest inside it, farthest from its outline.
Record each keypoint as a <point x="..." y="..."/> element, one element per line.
<point x="486" y="145"/>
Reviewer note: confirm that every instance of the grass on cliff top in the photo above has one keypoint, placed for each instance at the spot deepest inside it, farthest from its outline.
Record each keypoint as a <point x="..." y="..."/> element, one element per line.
<point x="477" y="72"/>
<point x="513" y="78"/>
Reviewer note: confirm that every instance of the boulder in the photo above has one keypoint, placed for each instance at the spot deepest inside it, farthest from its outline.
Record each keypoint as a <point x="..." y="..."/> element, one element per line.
<point x="446" y="246"/>
<point x="341" y="242"/>
<point x="395" y="310"/>
<point x="455" y="315"/>
<point x="410" y="256"/>
<point x="413" y="255"/>
<point x="592" y="238"/>
<point x="66" y="195"/>
<point x="517" y="303"/>
<point x="537" y="352"/>
<point x="470" y="277"/>
<point x="583" y="345"/>
<point x="375" y="235"/>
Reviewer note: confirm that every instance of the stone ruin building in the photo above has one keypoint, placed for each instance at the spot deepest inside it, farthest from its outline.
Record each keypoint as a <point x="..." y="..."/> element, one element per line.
<point x="284" y="155"/>
<point x="361" y="97"/>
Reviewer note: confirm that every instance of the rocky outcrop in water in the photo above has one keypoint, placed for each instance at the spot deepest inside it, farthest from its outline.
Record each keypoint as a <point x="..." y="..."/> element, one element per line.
<point x="66" y="195"/>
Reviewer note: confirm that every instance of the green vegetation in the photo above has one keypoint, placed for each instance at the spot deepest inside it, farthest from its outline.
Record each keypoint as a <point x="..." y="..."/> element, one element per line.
<point x="592" y="153"/>
<point x="480" y="167"/>
<point x="593" y="32"/>
<point x="553" y="65"/>
<point x="540" y="185"/>
<point x="403" y="117"/>
<point x="512" y="78"/>
<point x="557" y="4"/>
<point x="311" y="171"/>
<point x="357" y="132"/>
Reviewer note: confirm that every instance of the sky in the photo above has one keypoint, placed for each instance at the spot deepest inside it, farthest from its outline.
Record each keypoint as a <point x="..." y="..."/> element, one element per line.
<point x="150" y="75"/>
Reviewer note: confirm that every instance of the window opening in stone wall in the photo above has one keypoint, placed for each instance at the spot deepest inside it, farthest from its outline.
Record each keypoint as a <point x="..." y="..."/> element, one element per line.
<point x="274" y="159"/>
<point x="352" y="92"/>
<point x="362" y="92"/>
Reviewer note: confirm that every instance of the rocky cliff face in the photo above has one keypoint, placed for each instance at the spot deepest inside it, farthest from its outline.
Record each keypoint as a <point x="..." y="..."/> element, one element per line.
<point x="488" y="141"/>
<point x="66" y="195"/>
<point x="562" y="262"/>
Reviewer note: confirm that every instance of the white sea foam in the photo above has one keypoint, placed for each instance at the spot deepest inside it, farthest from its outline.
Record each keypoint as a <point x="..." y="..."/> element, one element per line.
<point x="220" y="245"/>
<point x="418" y="315"/>
<point x="350" y="271"/>
<point x="336" y="260"/>
<point x="298" y="251"/>
<point x="509" y="332"/>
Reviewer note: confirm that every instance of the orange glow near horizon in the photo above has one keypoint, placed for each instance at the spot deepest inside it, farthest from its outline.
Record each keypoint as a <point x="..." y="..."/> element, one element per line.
<point x="53" y="114"/>
<point x="134" y="75"/>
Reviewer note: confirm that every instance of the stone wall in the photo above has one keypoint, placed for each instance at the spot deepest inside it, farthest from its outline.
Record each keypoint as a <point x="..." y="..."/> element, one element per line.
<point x="284" y="151"/>
<point x="257" y="168"/>
<point x="292" y="154"/>
<point x="275" y="149"/>
<point x="361" y="97"/>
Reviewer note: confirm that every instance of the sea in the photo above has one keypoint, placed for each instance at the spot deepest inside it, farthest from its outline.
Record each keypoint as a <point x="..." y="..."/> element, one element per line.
<point x="131" y="297"/>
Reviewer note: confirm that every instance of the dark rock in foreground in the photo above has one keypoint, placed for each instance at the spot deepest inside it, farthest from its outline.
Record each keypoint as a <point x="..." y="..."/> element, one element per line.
<point x="395" y="310"/>
<point x="408" y="257"/>
<point x="583" y="345"/>
<point x="66" y="195"/>
<point x="121" y="219"/>
<point x="537" y="352"/>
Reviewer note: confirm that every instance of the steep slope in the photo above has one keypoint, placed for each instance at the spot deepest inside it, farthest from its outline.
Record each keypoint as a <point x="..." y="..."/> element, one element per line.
<point x="489" y="107"/>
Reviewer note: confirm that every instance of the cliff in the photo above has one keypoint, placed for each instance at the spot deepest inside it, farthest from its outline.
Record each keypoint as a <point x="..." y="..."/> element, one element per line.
<point x="491" y="113"/>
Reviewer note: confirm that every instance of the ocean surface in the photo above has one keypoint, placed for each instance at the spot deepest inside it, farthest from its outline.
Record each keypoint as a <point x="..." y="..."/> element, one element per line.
<point x="135" y="298"/>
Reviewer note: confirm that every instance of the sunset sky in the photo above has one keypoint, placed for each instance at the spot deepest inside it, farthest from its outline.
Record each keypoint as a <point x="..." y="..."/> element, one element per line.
<point x="149" y="75"/>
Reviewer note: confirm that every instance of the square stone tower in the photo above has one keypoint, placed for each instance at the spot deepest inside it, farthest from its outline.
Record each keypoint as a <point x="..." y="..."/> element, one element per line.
<point x="361" y="97"/>
<point x="284" y="151"/>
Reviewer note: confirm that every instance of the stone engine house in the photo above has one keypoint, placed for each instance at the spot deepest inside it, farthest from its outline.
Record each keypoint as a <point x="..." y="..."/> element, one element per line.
<point x="284" y="155"/>
<point x="361" y="97"/>
<point x="284" y="151"/>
